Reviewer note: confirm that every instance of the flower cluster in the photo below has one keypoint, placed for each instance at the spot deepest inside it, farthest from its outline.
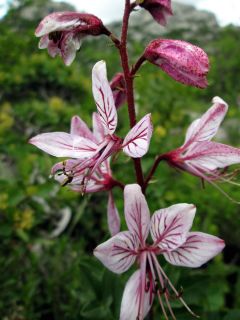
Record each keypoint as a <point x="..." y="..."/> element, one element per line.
<point x="85" y="167"/>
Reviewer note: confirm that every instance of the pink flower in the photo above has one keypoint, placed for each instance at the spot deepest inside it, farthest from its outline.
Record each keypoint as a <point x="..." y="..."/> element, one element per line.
<point x="118" y="87"/>
<point x="88" y="150"/>
<point x="169" y="229"/>
<point x="199" y="155"/>
<point x="181" y="60"/>
<point x="159" y="9"/>
<point x="62" y="33"/>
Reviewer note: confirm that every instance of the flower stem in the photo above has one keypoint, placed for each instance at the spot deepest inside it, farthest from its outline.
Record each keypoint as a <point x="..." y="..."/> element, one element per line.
<point x="152" y="171"/>
<point x="129" y="85"/>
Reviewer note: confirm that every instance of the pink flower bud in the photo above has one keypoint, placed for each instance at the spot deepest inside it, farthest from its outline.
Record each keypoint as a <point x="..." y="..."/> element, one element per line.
<point x="159" y="9"/>
<point x="118" y="87"/>
<point x="62" y="32"/>
<point x="181" y="60"/>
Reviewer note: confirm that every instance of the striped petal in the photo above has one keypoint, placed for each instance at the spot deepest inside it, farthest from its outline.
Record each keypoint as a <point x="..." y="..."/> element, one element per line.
<point x="136" y="212"/>
<point x="104" y="97"/>
<point x="205" y="128"/>
<point x="59" y="21"/>
<point x="80" y="128"/>
<point x="197" y="250"/>
<point x="99" y="131"/>
<point x="132" y="302"/>
<point x="61" y="144"/>
<point x="212" y="155"/>
<point x="137" y="141"/>
<point x="70" y="44"/>
<point x="169" y="227"/>
<point x="113" y="216"/>
<point x="118" y="253"/>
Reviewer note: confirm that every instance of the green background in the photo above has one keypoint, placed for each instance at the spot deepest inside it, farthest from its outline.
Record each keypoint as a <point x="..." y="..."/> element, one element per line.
<point x="46" y="277"/>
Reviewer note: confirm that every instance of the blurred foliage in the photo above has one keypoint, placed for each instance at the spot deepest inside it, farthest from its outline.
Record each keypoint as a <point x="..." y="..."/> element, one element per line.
<point x="47" y="277"/>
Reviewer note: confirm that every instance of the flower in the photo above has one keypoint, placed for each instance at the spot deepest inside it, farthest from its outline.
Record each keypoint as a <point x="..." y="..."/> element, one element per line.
<point x="118" y="87"/>
<point x="181" y="60"/>
<point x="199" y="155"/>
<point x="72" y="174"/>
<point x="169" y="230"/>
<point x="88" y="150"/>
<point x="62" y="33"/>
<point x="159" y="9"/>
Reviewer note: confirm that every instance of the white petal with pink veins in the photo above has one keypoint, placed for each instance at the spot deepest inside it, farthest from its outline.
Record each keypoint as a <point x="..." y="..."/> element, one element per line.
<point x="131" y="299"/>
<point x="118" y="253"/>
<point x="99" y="131"/>
<point x="104" y="97"/>
<point x="43" y="43"/>
<point x="113" y="216"/>
<point x="205" y="128"/>
<point x="136" y="143"/>
<point x="137" y="214"/>
<point x="212" y="155"/>
<point x="58" y="21"/>
<point x="197" y="250"/>
<point x="80" y="128"/>
<point x="61" y="144"/>
<point x="53" y="49"/>
<point x="169" y="227"/>
<point x="70" y="44"/>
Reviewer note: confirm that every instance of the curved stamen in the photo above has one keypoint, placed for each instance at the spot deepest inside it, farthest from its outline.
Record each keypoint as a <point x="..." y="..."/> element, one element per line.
<point x="161" y="272"/>
<point x="158" y="293"/>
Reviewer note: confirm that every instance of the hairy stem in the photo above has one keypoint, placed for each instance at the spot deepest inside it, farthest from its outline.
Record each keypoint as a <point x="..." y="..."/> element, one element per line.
<point x="129" y="85"/>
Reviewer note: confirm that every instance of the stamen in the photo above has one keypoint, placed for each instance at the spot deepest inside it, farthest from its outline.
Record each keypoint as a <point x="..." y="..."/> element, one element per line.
<point x="159" y="296"/>
<point x="161" y="271"/>
<point x="205" y="177"/>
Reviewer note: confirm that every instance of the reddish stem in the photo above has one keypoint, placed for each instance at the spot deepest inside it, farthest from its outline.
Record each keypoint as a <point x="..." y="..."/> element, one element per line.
<point x="116" y="183"/>
<point x="152" y="171"/>
<point x="137" y="65"/>
<point x="129" y="84"/>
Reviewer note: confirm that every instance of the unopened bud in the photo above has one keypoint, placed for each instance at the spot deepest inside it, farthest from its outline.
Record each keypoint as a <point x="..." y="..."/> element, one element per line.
<point x="181" y="60"/>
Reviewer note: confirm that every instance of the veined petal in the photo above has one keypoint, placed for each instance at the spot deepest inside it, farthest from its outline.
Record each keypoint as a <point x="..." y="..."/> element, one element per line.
<point x="80" y="128"/>
<point x="69" y="45"/>
<point x="131" y="299"/>
<point x="113" y="216"/>
<point x="58" y="21"/>
<point x="169" y="227"/>
<point x="99" y="131"/>
<point x="43" y="42"/>
<point x="118" y="253"/>
<point x="205" y="128"/>
<point x="53" y="49"/>
<point x="197" y="250"/>
<point x="136" y="143"/>
<point x="136" y="212"/>
<point x="104" y="97"/>
<point x="61" y="144"/>
<point x="212" y="155"/>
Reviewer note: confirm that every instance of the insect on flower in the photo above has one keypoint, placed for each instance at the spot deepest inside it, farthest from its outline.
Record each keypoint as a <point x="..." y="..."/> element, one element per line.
<point x="169" y="229"/>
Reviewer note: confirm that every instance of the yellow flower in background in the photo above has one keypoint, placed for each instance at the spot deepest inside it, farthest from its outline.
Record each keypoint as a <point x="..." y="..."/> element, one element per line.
<point x="24" y="219"/>
<point x="160" y="132"/>
<point x="6" y="119"/>
<point x="56" y="104"/>
<point x="3" y="201"/>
